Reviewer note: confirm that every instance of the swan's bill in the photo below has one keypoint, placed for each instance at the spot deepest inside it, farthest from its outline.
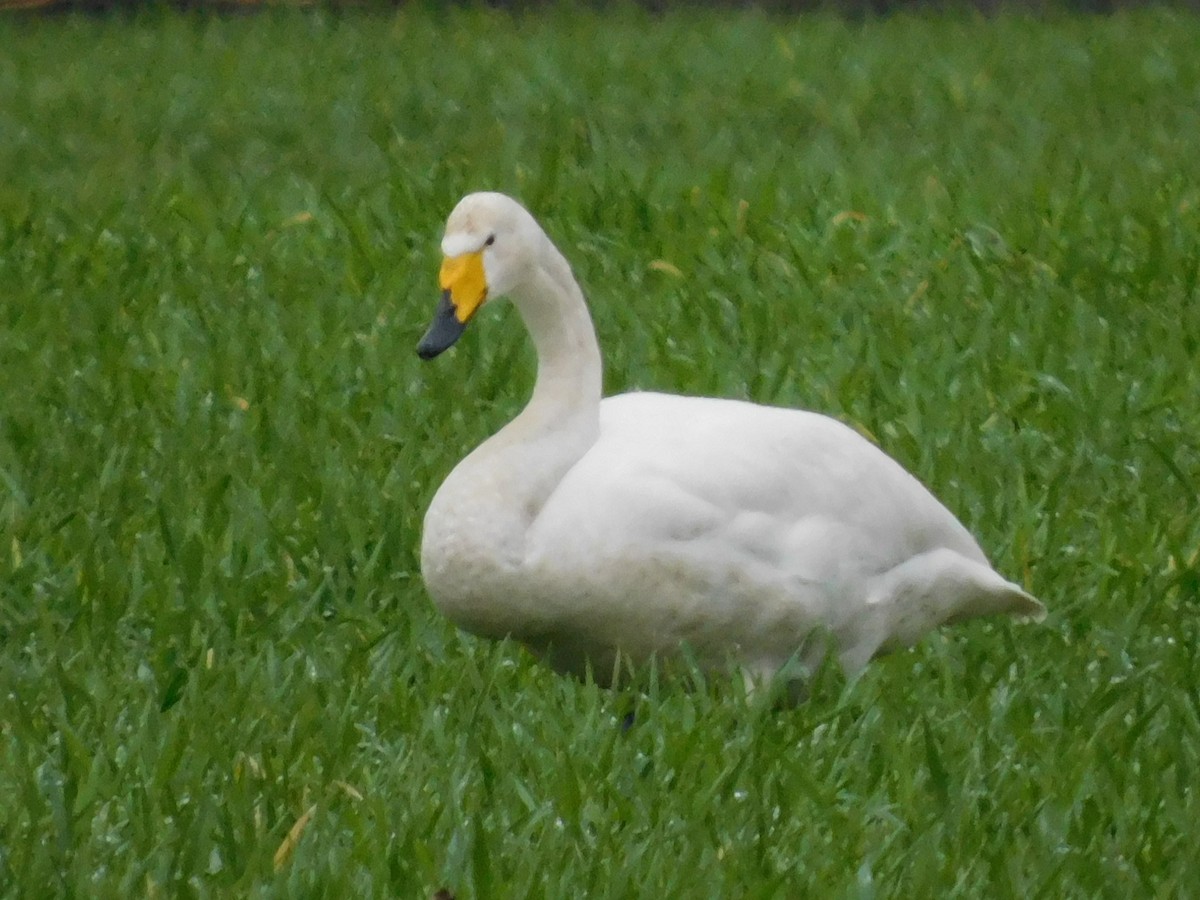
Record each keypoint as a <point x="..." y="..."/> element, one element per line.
<point x="464" y="288"/>
<point x="443" y="331"/>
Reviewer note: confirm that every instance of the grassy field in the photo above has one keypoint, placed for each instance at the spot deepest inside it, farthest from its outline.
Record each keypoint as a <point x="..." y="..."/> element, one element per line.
<point x="978" y="241"/>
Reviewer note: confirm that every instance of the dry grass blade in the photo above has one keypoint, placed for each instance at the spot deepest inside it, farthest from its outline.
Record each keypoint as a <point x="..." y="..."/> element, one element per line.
<point x="288" y="845"/>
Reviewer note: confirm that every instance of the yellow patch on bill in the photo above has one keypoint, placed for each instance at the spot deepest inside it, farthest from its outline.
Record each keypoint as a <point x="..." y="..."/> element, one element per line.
<point x="464" y="278"/>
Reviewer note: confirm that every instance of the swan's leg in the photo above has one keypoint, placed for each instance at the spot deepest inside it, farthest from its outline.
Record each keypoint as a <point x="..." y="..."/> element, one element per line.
<point x="763" y="677"/>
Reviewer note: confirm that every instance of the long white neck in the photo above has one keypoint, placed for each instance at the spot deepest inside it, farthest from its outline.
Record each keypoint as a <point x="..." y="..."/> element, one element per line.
<point x="567" y="390"/>
<point x="562" y="419"/>
<point x="481" y="513"/>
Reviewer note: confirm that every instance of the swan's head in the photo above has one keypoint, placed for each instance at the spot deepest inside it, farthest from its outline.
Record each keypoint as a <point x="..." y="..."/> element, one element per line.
<point x="488" y="249"/>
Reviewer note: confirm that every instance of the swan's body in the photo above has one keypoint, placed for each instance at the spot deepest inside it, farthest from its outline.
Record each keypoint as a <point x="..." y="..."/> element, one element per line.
<point x="645" y="522"/>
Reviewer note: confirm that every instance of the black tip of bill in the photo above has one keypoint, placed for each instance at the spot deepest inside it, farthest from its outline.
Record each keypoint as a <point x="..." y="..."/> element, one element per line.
<point x="443" y="331"/>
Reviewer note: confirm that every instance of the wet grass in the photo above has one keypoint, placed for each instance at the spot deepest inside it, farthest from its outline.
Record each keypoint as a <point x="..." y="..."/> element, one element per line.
<point x="979" y="241"/>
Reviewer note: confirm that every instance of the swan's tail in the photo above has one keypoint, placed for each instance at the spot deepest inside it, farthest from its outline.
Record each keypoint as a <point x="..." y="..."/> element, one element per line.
<point x="1023" y="606"/>
<point x="940" y="587"/>
<point x="974" y="589"/>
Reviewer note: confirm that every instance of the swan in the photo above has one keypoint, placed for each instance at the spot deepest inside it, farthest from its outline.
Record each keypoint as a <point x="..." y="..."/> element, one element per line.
<point x="594" y="530"/>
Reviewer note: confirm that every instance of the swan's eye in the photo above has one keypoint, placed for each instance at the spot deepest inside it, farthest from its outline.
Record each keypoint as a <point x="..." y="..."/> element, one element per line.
<point x="491" y="239"/>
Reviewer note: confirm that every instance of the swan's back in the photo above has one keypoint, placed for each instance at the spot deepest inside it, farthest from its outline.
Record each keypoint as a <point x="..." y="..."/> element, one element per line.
<point x="744" y="526"/>
<point x="684" y="463"/>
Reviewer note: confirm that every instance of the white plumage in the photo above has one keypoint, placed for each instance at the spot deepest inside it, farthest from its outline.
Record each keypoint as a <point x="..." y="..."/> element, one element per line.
<point x="647" y="521"/>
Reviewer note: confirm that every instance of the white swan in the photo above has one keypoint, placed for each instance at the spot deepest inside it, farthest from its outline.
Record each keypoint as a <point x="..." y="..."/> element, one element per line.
<point x="648" y="521"/>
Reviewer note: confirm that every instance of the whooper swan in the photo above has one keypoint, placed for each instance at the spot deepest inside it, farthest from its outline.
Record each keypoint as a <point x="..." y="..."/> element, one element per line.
<point x="593" y="530"/>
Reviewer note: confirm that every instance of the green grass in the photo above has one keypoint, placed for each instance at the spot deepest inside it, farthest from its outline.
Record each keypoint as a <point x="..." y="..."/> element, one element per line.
<point x="979" y="241"/>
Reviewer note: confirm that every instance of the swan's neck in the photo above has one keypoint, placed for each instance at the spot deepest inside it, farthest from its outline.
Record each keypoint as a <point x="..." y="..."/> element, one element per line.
<point x="481" y="514"/>
<point x="567" y="390"/>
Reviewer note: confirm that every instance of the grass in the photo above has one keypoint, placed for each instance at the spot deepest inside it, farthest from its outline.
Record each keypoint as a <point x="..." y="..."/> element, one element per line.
<point x="979" y="241"/>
